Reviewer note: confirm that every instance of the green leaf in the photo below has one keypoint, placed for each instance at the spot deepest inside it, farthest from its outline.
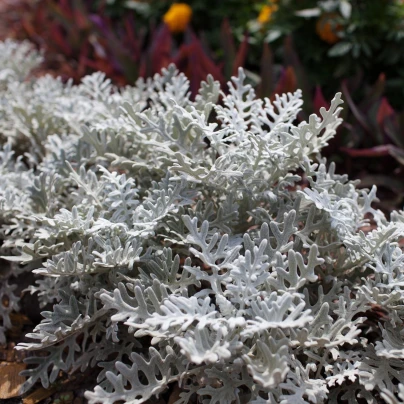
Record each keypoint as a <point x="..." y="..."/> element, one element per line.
<point x="340" y="49"/>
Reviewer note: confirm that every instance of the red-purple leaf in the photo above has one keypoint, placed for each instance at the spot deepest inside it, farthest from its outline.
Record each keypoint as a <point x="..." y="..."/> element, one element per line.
<point x="58" y="37"/>
<point x="319" y="101"/>
<point x="132" y="39"/>
<point x="377" y="151"/>
<point x="160" y="50"/>
<point x="229" y="49"/>
<point x="83" y="58"/>
<point x="195" y="63"/>
<point x="241" y="55"/>
<point x="291" y="58"/>
<point x="287" y="82"/>
<point x="354" y="109"/>
<point x="375" y="93"/>
<point x="394" y="129"/>
<point x="266" y="86"/>
<point x="385" y="110"/>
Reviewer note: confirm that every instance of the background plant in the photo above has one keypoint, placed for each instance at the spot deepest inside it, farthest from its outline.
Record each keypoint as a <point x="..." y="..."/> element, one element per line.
<point x="340" y="38"/>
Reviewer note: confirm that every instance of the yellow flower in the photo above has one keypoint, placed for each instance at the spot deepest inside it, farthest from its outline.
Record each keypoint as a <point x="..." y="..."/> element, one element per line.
<point x="266" y="13"/>
<point x="178" y="17"/>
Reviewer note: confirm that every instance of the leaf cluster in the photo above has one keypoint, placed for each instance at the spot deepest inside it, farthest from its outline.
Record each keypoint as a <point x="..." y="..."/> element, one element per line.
<point x="178" y="244"/>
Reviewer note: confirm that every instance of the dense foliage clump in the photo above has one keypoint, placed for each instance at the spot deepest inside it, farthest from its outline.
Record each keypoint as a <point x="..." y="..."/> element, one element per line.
<point x="194" y="242"/>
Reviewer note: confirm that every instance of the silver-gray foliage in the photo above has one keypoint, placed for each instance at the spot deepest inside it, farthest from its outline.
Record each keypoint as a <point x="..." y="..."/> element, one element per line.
<point x="177" y="243"/>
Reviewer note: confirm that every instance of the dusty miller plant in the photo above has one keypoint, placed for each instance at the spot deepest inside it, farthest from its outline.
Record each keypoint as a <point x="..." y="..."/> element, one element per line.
<point x="178" y="244"/>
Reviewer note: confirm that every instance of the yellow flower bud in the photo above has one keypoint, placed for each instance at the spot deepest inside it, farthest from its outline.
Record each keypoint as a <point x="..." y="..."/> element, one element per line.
<point x="178" y="17"/>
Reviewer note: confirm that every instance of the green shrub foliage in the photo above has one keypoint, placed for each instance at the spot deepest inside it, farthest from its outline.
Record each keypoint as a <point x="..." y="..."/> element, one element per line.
<point x="203" y="243"/>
